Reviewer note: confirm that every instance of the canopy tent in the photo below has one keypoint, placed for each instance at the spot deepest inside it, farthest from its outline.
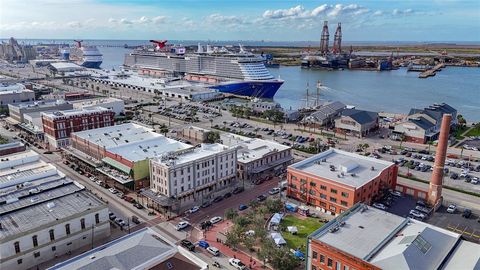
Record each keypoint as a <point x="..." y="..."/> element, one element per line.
<point x="278" y="239"/>
<point x="276" y="219"/>
<point x="292" y="229"/>
<point x="299" y="254"/>
<point x="291" y="207"/>
<point x="117" y="165"/>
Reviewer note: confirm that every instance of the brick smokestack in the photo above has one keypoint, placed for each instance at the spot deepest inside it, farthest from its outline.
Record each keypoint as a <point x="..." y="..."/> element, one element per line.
<point x="435" y="189"/>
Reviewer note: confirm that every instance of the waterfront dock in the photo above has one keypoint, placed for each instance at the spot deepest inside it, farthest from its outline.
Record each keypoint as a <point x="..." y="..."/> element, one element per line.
<point x="431" y="72"/>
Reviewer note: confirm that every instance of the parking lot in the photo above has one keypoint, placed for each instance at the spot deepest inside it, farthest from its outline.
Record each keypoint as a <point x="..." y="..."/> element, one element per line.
<point x="468" y="227"/>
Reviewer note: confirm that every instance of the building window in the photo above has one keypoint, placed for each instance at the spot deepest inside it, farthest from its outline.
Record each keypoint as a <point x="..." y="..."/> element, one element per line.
<point x="345" y="267"/>
<point x="35" y="240"/>
<point x="322" y="259"/>
<point x="333" y="208"/>
<point x="313" y="184"/>
<point x="17" y="247"/>
<point x="345" y="194"/>
<point x="52" y="235"/>
<point x="82" y="223"/>
<point x="332" y="199"/>
<point x="334" y="191"/>
<point x="323" y="196"/>
<point x="329" y="262"/>
<point x="314" y="255"/>
<point x="97" y="218"/>
<point x="54" y="248"/>
<point x="323" y="187"/>
<point x="338" y="266"/>
<point x="67" y="229"/>
<point x="344" y="203"/>
<point x="36" y="254"/>
<point x="19" y="261"/>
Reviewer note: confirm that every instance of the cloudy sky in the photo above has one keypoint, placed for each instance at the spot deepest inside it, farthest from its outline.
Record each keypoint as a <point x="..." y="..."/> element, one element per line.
<point x="280" y="20"/>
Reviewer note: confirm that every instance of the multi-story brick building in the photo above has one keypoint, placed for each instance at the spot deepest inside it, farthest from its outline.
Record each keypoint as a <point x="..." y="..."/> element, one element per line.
<point x="59" y="124"/>
<point x="335" y="180"/>
<point x="367" y="238"/>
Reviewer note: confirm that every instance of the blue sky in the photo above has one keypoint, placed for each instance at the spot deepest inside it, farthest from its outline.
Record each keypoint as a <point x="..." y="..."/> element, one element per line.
<point x="387" y="20"/>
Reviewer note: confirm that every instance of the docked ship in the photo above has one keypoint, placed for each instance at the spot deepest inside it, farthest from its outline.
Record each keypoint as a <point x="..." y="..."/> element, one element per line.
<point x="241" y="73"/>
<point x="86" y="56"/>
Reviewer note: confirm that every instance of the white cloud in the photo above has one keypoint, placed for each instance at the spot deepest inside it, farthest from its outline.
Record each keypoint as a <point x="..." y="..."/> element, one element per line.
<point x="405" y="12"/>
<point x="332" y="11"/>
<point x="159" y="19"/>
<point x="222" y="19"/>
<point x="293" y="12"/>
<point x="75" y="24"/>
<point x="378" y="13"/>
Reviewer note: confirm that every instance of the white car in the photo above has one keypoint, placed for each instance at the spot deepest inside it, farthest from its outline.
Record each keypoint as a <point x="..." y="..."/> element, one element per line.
<point x="194" y="209"/>
<point x="213" y="250"/>
<point x="237" y="264"/>
<point x="98" y="182"/>
<point x="112" y="190"/>
<point x="422" y="209"/>
<point x="274" y="191"/>
<point x="417" y="214"/>
<point x="215" y="219"/>
<point x="379" y="206"/>
<point x="182" y="225"/>
<point x="396" y="193"/>
<point x="451" y="208"/>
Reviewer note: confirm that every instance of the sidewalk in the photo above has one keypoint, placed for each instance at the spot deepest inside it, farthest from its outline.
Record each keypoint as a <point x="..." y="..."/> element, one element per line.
<point x="211" y="238"/>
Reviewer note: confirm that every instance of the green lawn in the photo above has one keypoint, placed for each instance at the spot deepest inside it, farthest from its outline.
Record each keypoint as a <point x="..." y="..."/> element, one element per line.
<point x="305" y="227"/>
<point x="475" y="131"/>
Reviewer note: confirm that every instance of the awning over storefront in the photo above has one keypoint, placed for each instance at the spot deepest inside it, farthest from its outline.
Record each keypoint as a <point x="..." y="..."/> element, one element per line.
<point x="157" y="198"/>
<point x="117" y="165"/>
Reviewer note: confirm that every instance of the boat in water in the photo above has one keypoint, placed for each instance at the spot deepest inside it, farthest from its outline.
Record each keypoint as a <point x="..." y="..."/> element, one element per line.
<point x="240" y="73"/>
<point x="86" y="55"/>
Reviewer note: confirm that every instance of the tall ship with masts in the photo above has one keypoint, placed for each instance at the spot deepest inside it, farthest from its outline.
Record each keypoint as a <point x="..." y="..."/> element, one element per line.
<point x="240" y="72"/>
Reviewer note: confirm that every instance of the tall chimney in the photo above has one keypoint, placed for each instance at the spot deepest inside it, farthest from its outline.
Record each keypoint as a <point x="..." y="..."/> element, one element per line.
<point x="435" y="189"/>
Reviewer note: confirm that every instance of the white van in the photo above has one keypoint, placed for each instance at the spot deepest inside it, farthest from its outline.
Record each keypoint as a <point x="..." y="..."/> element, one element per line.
<point x="213" y="250"/>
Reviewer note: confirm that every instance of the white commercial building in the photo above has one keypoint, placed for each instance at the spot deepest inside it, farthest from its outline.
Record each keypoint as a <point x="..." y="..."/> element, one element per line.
<point x="114" y="104"/>
<point x="43" y="214"/>
<point x="194" y="175"/>
<point x="257" y="157"/>
<point x="14" y="93"/>
<point x="143" y="249"/>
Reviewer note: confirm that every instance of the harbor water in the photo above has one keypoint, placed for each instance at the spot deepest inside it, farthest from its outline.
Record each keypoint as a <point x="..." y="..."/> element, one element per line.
<point x="394" y="91"/>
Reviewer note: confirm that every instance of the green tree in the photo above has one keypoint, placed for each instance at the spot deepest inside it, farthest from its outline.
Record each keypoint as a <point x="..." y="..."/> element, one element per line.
<point x="212" y="137"/>
<point x="249" y="242"/>
<point x="253" y="204"/>
<point x="164" y="130"/>
<point x="274" y="205"/>
<point x="242" y="221"/>
<point x="233" y="239"/>
<point x="231" y="214"/>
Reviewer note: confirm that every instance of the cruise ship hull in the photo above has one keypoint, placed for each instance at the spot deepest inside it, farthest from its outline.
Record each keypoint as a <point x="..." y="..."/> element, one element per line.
<point x="90" y="64"/>
<point x="259" y="89"/>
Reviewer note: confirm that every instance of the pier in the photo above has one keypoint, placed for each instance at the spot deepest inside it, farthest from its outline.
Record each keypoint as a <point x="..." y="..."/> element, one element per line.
<point x="431" y="72"/>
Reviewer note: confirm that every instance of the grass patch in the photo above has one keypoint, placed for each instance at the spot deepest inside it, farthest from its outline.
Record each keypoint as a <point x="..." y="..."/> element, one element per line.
<point x="474" y="131"/>
<point x="3" y="140"/>
<point x="325" y="134"/>
<point x="458" y="133"/>
<point x="305" y="228"/>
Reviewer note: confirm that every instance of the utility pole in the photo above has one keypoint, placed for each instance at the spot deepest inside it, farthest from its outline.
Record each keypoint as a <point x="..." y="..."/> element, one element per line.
<point x="93" y="231"/>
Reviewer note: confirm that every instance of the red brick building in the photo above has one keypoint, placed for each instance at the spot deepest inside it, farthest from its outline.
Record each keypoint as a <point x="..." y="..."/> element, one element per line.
<point x="59" y="124"/>
<point x="335" y="180"/>
<point x="11" y="148"/>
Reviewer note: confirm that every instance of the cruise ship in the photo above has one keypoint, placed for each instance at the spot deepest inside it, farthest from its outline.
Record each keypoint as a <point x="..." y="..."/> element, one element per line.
<point x="240" y="73"/>
<point x="86" y="56"/>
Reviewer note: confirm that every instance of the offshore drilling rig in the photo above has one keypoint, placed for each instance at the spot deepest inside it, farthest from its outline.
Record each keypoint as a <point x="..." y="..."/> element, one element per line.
<point x="325" y="58"/>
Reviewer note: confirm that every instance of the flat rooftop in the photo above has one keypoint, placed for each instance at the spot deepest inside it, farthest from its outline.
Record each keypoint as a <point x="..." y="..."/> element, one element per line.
<point x="113" y="136"/>
<point x="74" y="112"/>
<point x="251" y="148"/>
<point x="143" y="249"/>
<point x="192" y="154"/>
<point x="389" y="241"/>
<point x="16" y="159"/>
<point x="96" y="101"/>
<point x="356" y="169"/>
<point x="38" y="104"/>
<point x="148" y="148"/>
<point x="41" y="208"/>
<point x="11" y="145"/>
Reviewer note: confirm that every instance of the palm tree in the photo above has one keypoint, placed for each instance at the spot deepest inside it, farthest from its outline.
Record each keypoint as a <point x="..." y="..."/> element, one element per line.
<point x="211" y="122"/>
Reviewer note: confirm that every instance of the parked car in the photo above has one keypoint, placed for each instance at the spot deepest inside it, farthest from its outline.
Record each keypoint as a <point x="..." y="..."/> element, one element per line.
<point x="421" y="203"/>
<point x="205" y="224"/>
<point x="379" y="206"/>
<point x="423" y="209"/>
<point x="451" y="208"/>
<point x="193" y="209"/>
<point x="227" y="195"/>
<point x="237" y="264"/>
<point x="218" y="199"/>
<point x="138" y="206"/>
<point x="261" y="198"/>
<point x="182" y="225"/>
<point x="274" y="191"/>
<point x="467" y="213"/>
<point x="417" y="214"/>
<point x="213" y="250"/>
<point x="129" y="199"/>
<point x="206" y="204"/>
<point x="396" y="193"/>
<point x="113" y="190"/>
<point x="238" y="190"/>
<point x="215" y="219"/>
<point x="242" y="207"/>
<point x="187" y="244"/>
<point x="112" y="216"/>
<point x="203" y="244"/>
